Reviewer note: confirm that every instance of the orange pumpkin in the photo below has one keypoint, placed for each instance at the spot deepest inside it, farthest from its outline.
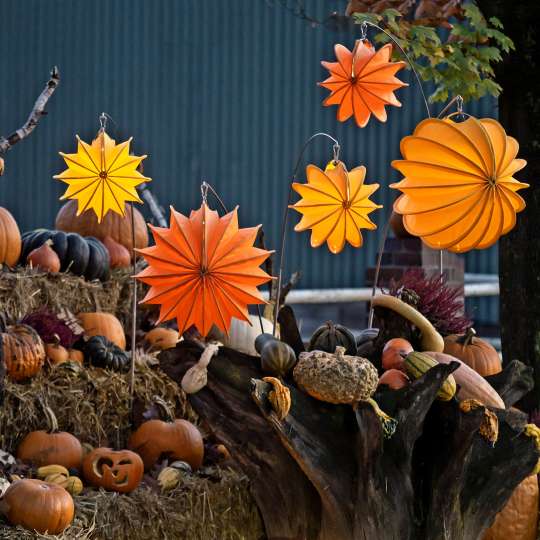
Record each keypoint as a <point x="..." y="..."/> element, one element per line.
<point x="518" y="520"/>
<point x="119" y="255"/>
<point x="38" y="505"/>
<point x="475" y="352"/>
<point x="174" y="439"/>
<point x="75" y="355"/>
<point x="103" y="324"/>
<point x="10" y="239"/>
<point x="114" y="225"/>
<point x="394" y="378"/>
<point x="51" y="447"/>
<point x="56" y="353"/>
<point x="22" y="351"/>
<point x="393" y="351"/>
<point x="160" y="339"/>
<point x="120" y="471"/>
<point x="44" y="258"/>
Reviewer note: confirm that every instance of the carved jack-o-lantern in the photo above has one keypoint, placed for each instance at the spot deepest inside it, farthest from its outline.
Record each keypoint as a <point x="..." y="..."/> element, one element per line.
<point x="120" y="471"/>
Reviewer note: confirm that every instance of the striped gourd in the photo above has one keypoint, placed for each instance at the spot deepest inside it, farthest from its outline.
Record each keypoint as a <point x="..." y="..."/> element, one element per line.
<point x="417" y="364"/>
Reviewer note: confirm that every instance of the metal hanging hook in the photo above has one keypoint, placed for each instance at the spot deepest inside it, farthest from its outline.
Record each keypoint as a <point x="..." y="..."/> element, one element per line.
<point x="336" y="149"/>
<point x="363" y="30"/>
<point x="459" y="104"/>
<point x="204" y="191"/>
<point x="103" y="117"/>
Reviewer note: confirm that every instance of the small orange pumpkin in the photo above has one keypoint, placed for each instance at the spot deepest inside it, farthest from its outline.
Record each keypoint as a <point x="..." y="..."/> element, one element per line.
<point x="475" y="352"/>
<point x="38" y="505"/>
<point x="75" y="355"/>
<point x="56" y="353"/>
<point x="22" y="350"/>
<point x="120" y="471"/>
<point x="174" y="438"/>
<point x="119" y="255"/>
<point x="10" y="238"/>
<point x="394" y="352"/>
<point x="103" y="324"/>
<point x="394" y="378"/>
<point x="44" y="258"/>
<point x="161" y="338"/>
<point x="51" y="447"/>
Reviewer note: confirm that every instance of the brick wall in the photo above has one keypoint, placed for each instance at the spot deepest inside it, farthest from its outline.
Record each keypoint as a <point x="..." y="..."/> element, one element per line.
<point x="401" y="254"/>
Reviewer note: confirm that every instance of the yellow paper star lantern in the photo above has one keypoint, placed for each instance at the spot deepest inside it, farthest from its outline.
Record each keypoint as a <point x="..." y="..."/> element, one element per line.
<point x="102" y="176"/>
<point x="335" y="205"/>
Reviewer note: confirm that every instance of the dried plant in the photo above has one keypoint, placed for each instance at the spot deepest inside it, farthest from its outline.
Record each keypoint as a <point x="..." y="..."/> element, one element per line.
<point x="441" y="304"/>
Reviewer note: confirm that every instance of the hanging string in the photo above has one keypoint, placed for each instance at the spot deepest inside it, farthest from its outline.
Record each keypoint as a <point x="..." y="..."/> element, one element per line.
<point x="205" y="188"/>
<point x="336" y="150"/>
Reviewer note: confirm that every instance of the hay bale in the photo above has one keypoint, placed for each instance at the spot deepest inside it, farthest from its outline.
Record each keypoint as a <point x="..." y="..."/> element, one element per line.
<point x="198" y="509"/>
<point x="92" y="403"/>
<point x="24" y="290"/>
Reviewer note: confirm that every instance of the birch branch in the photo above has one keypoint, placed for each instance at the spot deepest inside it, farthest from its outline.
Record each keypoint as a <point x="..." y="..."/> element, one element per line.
<point x="37" y="112"/>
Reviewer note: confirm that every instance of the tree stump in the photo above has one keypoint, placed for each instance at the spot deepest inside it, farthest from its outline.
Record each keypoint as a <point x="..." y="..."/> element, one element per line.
<point x="326" y="473"/>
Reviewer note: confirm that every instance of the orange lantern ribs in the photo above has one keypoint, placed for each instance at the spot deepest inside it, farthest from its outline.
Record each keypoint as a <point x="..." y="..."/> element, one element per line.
<point x="362" y="82"/>
<point x="459" y="192"/>
<point x="204" y="270"/>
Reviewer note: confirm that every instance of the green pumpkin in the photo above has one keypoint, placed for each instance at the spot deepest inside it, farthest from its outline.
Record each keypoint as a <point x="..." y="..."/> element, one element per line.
<point x="277" y="357"/>
<point x="329" y="336"/>
<point x="81" y="256"/>
<point x="101" y="352"/>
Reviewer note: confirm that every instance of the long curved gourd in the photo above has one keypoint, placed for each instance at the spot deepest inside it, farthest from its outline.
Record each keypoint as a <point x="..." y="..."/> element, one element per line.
<point x="431" y="340"/>
<point x="471" y="384"/>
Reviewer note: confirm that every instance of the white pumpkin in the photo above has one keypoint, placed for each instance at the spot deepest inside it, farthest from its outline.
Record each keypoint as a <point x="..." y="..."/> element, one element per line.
<point x="241" y="335"/>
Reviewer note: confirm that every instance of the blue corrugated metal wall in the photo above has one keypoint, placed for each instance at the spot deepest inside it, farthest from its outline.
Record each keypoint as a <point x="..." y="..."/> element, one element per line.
<point x="221" y="91"/>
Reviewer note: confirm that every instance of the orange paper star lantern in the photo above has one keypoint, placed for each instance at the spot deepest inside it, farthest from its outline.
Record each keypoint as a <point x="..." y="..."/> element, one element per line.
<point x="362" y="82"/>
<point x="203" y="270"/>
<point x="102" y="176"/>
<point x="335" y="205"/>
<point x="459" y="192"/>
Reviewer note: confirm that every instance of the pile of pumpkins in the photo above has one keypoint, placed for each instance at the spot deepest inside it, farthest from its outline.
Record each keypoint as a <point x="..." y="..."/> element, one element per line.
<point x="79" y="244"/>
<point x="24" y="353"/>
<point x="62" y="463"/>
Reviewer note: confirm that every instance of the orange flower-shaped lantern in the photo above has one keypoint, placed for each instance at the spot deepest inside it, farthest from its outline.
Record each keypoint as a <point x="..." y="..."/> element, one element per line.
<point x="335" y="205"/>
<point x="459" y="192"/>
<point x="204" y="270"/>
<point x="102" y="176"/>
<point x="362" y="82"/>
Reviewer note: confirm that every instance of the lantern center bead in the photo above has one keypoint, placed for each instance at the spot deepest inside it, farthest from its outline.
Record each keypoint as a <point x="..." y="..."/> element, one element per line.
<point x="103" y="174"/>
<point x="346" y="205"/>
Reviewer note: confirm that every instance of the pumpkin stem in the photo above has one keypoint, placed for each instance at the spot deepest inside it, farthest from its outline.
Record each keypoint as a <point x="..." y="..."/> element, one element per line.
<point x="468" y="337"/>
<point x="388" y="423"/>
<point x="52" y="421"/>
<point x="163" y="406"/>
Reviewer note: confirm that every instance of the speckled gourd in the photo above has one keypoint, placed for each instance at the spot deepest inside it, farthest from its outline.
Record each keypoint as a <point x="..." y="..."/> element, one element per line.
<point x="336" y="378"/>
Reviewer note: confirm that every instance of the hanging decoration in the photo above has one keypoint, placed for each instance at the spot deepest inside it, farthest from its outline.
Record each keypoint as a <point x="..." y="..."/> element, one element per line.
<point x="362" y="82"/>
<point x="459" y="192"/>
<point x="204" y="270"/>
<point x="102" y="176"/>
<point x="335" y="205"/>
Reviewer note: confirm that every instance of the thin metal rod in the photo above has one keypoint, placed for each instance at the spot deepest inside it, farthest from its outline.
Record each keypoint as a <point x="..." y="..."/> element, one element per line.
<point x="387" y="225"/>
<point x="286" y="216"/>
<point x="448" y="105"/>
<point x="382" y="242"/>
<point x="441" y="268"/>
<point x="133" y="310"/>
<point x="419" y="82"/>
